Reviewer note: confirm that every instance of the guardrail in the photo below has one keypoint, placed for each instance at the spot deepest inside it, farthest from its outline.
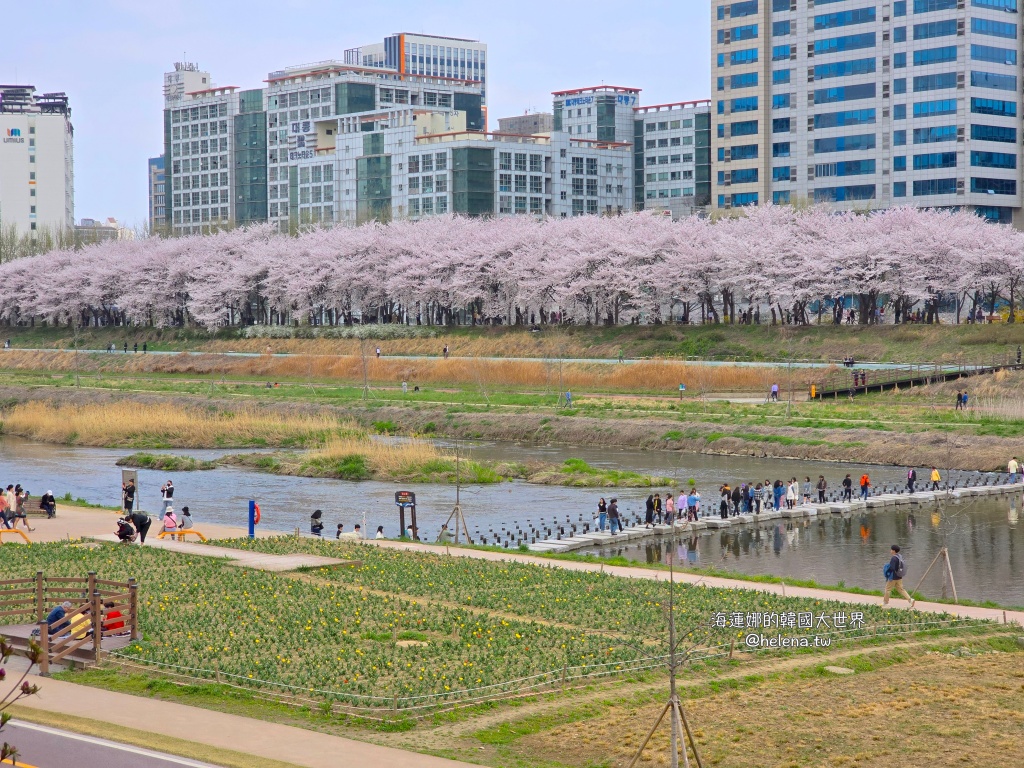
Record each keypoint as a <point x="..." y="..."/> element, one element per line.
<point x="851" y="380"/>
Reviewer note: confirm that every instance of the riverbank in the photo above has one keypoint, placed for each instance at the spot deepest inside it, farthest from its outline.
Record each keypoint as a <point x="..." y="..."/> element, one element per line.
<point x="888" y="343"/>
<point x="883" y="429"/>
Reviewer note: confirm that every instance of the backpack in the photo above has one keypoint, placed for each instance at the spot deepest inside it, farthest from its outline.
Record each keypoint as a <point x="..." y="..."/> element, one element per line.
<point x="901" y="569"/>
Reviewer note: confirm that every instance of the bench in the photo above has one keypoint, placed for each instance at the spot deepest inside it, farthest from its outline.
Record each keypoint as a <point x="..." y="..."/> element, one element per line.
<point x="180" y="533"/>
<point x="15" y="532"/>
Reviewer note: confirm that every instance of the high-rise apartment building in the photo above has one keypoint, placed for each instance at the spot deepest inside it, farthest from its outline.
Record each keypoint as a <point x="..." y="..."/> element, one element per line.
<point x="37" y="176"/>
<point x="157" y="195"/>
<point x="867" y="104"/>
<point x="672" y="158"/>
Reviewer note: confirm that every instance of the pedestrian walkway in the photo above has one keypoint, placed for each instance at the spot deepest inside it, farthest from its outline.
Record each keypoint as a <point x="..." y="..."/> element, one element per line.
<point x="243" y="559"/>
<point x="289" y="744"/>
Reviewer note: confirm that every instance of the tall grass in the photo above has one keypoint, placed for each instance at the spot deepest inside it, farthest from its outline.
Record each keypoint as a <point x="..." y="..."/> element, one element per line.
<point x="166" y="425"/>
<point x="532" y="375"/>
<point x="412" y="461"/>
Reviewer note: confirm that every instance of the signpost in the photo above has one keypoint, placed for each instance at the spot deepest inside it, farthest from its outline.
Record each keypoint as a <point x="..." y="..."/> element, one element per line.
<point x="405" y="499"/>
<point x="682" y="388"/>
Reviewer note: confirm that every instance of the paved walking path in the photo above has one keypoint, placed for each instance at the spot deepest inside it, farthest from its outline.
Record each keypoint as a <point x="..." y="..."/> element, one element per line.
<point x="289" y="744"/>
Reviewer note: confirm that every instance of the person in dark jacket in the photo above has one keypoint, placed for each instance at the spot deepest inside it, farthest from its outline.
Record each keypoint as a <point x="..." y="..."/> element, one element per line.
<point x="847" y="488"/>
<point x="125" y="532"/>
<point x="894" y="573"/>
<point x="141" y="522"/>
<point x="911" y="480"/>
<point x="613" y="515"/>
<point x="48" y="504"/>
<point x="822" y="487"/>
<point x="649" y="515"/>
<point x="316" y="525"/>
<point x="737" y="496"/>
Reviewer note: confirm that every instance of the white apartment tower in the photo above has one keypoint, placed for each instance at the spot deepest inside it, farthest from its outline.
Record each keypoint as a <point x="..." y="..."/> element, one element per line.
<point x="867" y="104"/>
<point x="37" y="178"/>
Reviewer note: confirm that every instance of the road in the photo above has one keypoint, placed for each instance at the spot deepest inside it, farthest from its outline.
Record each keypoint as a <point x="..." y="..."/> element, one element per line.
<point x="45" y="747"/>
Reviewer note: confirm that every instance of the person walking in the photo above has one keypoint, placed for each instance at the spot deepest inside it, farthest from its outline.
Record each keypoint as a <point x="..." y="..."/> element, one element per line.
<point x="658" y="512"/>
<point x="445" y="352"/>
<point x="649" y="512"/>
<point x="936" y="478"/>
<point x="911" y="479"/>
<point x="691" y="504"/>
<point x="791" y="494"/>
<point x="894" y="572"/>
<point x="779" y="493"/>
<point x="135" y="348"/>
<point x="723" y="504"/>
<point x="670" y="508"/>
<point x="965" y="400"/>
<point x="847" y="488"/>
<point x="613" y="516"/>
<point x="378" y="353"/>
<point x="5" y="513"/>
<point x="865" y="485"/>
<point x="145" y="347"/>
<point x="602" y="514"/>
<point x="126" y="347"/>
<point x="822" y="488"/>
<point x="736" y="496"/>
<point x="1013" y="468"/>
<point x="568" y="399"/>
<point x="959" y="400"/>
<point x="807" y="490"/>
<point x="774" y="396"/>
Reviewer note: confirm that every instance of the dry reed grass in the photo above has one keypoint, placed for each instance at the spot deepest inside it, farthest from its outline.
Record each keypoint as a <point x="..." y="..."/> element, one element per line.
<point x="385" y="458"/>
<point x="165" y="425"/>
<point x="528" y="375"/>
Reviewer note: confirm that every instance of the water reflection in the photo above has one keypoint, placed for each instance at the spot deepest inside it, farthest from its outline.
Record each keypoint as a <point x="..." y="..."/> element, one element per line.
<point x="981" y="538"/>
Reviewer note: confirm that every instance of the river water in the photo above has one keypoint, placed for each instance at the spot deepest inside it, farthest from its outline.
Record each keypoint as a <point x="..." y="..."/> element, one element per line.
<point x="983" y="539"/>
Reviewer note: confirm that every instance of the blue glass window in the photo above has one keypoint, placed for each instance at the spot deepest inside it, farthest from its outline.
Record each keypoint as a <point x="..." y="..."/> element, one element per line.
<point x="849" y="117"/>
<point x="746" y="80"/>
<point x="748" y="8"/>
<point x="782" y="101"/>
<point x="995" y="213"/>
<point x="745" y="56"/>
<point x="845" y="143"/>
<point x="844" y="68"/>
<point x="1001" y="5"/>
<point x="781" y="28"/>
<point x="926" y="187"/>
<point x="923" y="6"/>
<point x="844" y="93"/>
<point x="934" y="82"/>
<point x="935" y="55"/>
<point x="994" y="186"/>
<point x="935" y="29"/>
<point x="994" y="107"/>
<point x="780" y="5"/>
<point x="899" y="34"/>
<point x="993" y="133"/>
<point x="994" y="28"/>
<point x="781" y="197"/>
<point x="845" y="168"/>
<point x="744" y="152"/>
<point x="899" y="111"/>
<point x="844" y="194"/>
<point x="781" y="76"/>
<point x="781" y="52"/>
<point x="744" y="176"/>
<point x="899" y="60"/>
<point x="721" y="83"/>
<point x="899" y="138"/>
<point x="899" y="189"/>
<point x="781" y="173"/>
<point x="744" y="128"/>
<point x="993" y="80"/>
<point x="935" y="134"/>
<point x="899" y="85"/>
<point x="993" y="54"/>
<point x="780" y="125"/>
<point x="844" y="18"/>
<point x="933" y="108"/>
<point x="933" y="160"/>
<point x="780" y="149"/>
<point x="721" y="59"/>
<point x="741" y="199"/>
<point x="993" y="160"/>
<point x="899" y="163"/>
<point x="899" y="8"/>
<point x="744" y="104"/>
<point x="847" y="43"/>
<point x="736" y="34"/>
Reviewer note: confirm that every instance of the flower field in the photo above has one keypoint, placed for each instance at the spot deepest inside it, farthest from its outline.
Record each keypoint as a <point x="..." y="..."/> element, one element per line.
<point x="403" y="630"/>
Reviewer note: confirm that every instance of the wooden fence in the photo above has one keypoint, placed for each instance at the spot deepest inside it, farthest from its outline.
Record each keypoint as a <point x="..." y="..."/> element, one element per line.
<point x="847" y="380"/>
<point x="85" y="626"/>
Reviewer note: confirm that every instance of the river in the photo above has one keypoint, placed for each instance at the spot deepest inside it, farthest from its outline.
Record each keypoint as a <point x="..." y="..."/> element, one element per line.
<point x="982" y="541"/>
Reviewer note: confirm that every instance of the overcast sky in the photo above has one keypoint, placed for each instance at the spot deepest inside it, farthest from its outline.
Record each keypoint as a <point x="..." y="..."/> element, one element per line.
<point x="109" y="56"/>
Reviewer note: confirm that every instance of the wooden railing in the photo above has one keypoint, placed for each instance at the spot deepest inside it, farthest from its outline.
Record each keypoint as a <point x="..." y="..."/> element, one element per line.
<point x="855" y="379"/>
<point x="86" y="624"/>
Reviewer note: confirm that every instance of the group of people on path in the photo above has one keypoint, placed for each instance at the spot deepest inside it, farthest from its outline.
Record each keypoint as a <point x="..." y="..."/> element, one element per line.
<point x="13" y="506"/>
<point x="135" y="524"/>
<point x="316" y="527"/>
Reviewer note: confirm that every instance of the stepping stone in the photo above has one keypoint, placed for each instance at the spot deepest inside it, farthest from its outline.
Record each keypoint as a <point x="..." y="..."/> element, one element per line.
<point x="746" y="518"/>
<point x="713" y="522"/>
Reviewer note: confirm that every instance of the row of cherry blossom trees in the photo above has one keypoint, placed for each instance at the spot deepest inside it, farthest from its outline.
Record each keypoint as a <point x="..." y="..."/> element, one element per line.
<point x="773" y="264"/>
